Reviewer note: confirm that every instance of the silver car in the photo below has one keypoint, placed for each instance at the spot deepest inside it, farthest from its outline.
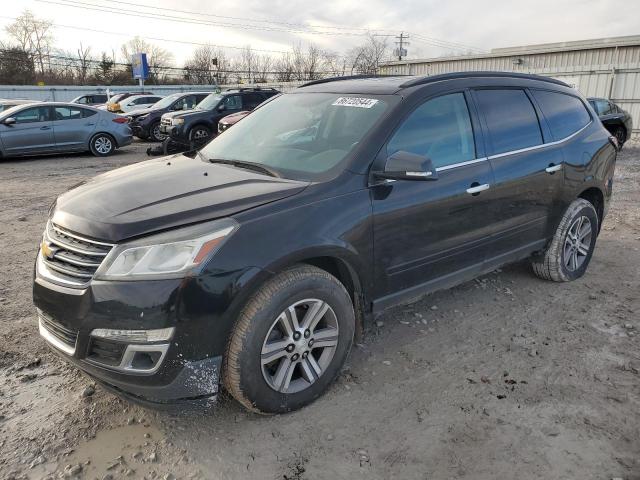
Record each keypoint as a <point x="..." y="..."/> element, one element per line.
<point x="42" y="128"/>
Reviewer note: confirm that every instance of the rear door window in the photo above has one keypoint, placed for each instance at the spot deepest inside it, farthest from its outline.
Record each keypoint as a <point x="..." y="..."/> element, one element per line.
<point x="511" y="119"/>
<point x="440" y="129"/>
<point x="565" y="114"/>
<point x="67" y="113"/>
<point x="252" y="100"/>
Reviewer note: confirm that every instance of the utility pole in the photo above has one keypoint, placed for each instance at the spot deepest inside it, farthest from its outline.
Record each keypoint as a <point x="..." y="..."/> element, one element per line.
<point x="401" y="43"/>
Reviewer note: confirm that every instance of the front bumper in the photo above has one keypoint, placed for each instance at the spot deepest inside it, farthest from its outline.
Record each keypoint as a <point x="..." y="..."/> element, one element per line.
<point x="201" y="310"/>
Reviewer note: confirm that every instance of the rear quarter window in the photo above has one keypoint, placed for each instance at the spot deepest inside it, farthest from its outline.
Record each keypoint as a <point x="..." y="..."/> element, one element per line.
<point x="565" y="114"/>
<point x="511" y="119"/>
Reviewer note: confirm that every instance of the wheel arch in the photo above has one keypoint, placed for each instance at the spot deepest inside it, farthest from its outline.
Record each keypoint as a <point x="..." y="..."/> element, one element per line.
<point x="340" y="263"/>
<point x="595" y="197"/>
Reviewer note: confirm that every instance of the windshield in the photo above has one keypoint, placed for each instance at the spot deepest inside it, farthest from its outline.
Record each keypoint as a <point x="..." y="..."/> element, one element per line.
<point x="6" y="106"/>
<point x="210" y="102"/>
<point x="167" y="101"/>
<point x="300" y="135"/>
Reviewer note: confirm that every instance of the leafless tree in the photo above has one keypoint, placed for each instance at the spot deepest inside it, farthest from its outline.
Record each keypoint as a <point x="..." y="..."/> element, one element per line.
<point x="83" y="64"/>
<point x="34" y="36"/>
<point x="207" y="65"/>
<point x="366" y="58"/>
<point x="157" y="57"/>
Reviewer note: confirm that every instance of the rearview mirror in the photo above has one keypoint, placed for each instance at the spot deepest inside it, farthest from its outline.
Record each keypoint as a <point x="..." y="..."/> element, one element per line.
<point x="403" y="165"/>
<point x="9" y="121"/>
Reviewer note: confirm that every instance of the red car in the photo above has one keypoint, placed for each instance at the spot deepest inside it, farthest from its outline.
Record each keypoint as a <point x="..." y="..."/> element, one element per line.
<point x="230" y="120"/>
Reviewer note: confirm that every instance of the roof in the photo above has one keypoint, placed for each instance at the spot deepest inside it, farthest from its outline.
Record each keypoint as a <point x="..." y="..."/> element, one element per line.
<point x="612" y="42"/>
<point x="393" y="83"/>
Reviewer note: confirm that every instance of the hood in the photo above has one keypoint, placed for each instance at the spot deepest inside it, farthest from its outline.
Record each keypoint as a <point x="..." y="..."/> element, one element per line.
<point x="143" y="111"/>
<point x="234" y="117"/>
<point x="184" y="113"/>
<point x="164" y="193"/>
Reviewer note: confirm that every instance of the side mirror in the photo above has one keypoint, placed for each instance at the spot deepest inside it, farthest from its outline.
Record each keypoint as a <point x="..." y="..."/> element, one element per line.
<point x="9" y="121"/>
<point x="222" y="107"/>
<point x="408" y="166"/>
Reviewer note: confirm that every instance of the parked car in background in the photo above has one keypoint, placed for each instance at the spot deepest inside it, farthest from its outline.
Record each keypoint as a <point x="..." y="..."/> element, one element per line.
<point x="146" y="123"/>
<point x="7" y="104"/>
<point x="138" y="102"/>
<point x="194" y="128"/>
<point x="254" y="260"/>
<point x="91" y="99"/>
<point x="614" y="118"/>
<point x="61" y="127"/>
<point x="113" y="105"/>
<point x="229" y="120"/>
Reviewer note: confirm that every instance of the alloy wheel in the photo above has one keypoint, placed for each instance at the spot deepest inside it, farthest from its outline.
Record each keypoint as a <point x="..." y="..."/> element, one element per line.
<point x="200" y="134"/>
<point x="299" y="346"/>
<point x="577" y="243"/>
<point x="103" y="145"/>
<point x="156" y="134"/>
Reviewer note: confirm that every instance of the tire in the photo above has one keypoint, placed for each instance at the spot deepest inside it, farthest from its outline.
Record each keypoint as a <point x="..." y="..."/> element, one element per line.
<point x="154" y="133"/>
<point x="199" y="135"/>
<point x="621" y="135"/>
<point x="252" y="364"/>
<point x="565" y="258"/>
<point x="102" y="145"/>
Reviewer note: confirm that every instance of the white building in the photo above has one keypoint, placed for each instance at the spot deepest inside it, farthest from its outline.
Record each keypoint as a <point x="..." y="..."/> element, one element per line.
<point x="606" y="67"/>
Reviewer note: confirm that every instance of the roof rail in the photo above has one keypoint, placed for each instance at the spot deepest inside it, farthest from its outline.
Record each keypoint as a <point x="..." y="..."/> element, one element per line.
<point x="337" y="79"/>
<point x="244" y="89"/>
<point x="450" y="76"/>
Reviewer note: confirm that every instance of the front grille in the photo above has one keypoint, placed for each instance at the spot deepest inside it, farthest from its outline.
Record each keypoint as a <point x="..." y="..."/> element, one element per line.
<point x="59" y="331"/>
<point x="106" y="351"/>
<point x="71" y="256"/>
<point x="166" y="121"/>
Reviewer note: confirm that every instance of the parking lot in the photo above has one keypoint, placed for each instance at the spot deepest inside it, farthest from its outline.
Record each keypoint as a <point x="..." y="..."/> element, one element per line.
<point x="507" y="376"/>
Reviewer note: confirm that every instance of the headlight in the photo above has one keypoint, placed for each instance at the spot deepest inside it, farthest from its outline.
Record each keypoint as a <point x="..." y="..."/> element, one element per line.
<point x="141" y="117"/>
<point x="172" y="254"/>
<point x="177" y="121"/>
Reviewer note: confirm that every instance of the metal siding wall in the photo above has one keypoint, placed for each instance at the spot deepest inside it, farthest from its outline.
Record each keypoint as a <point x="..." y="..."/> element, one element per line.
<point x="591" y="69"/>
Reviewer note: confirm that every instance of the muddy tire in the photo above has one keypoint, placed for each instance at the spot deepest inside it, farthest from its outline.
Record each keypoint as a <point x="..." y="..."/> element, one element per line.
<point x="567" y="256"/>
<point x="290" y="341"/>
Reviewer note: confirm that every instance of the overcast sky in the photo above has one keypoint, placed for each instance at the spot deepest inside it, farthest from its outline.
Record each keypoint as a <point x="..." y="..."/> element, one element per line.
<point x="276" y="24"/>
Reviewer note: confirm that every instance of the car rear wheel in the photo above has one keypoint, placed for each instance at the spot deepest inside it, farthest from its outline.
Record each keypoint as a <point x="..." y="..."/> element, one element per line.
<point x="568" y="255"/>
<point x="290" y="341"/>
<point x="621" y="135"/>
<point x="102" y="145"/>
<point x="155" y="134"/>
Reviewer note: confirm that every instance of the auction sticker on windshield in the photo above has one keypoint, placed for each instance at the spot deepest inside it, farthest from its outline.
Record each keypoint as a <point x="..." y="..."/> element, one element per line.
<point x="355" y="102"/>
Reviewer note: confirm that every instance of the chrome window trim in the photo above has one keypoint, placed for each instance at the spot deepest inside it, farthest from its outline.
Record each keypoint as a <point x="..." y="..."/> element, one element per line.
<point x="461" y="164"/>
<point x="542" y="145"/>
<point x="512" y="152"/>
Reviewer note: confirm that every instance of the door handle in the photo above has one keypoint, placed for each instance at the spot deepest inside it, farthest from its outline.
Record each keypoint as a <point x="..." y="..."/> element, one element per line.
<point x="45" y="128"/>
<point x="89" y="124"/>
<point x="475" y="188"/>
<point x="553" y="168"/>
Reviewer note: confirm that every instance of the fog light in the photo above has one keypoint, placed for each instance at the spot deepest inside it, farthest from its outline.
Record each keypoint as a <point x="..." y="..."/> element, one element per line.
<point x="135" y="336"/>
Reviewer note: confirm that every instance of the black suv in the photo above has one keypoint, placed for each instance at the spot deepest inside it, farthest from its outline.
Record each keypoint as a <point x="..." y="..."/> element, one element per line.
<point x="615" y="119"/>
<point x="145" y="123"/>
<point x="255" y="260"/>
<point x="195" y="127"/>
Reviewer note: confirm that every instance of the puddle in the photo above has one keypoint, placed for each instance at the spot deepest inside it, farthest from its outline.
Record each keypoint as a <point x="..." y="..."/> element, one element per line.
<point x="123" y="451"/>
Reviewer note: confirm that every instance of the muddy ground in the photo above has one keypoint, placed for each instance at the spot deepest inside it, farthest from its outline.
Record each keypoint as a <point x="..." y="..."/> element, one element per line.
<point x="507" y="376"/>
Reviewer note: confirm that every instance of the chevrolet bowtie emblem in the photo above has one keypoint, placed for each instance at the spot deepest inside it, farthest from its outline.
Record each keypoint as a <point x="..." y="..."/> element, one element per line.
<point x="47" y="251"/>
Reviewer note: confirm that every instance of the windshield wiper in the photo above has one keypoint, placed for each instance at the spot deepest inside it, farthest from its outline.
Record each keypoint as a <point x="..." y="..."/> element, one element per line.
<point x="256" y="167"/>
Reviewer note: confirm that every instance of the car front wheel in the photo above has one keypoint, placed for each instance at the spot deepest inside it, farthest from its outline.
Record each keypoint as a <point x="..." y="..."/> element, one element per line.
<point x="102" y="145"/>
<point x="568" y="255"/>
<point x="290" y="341"/>
<point x="155" y="134"/>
